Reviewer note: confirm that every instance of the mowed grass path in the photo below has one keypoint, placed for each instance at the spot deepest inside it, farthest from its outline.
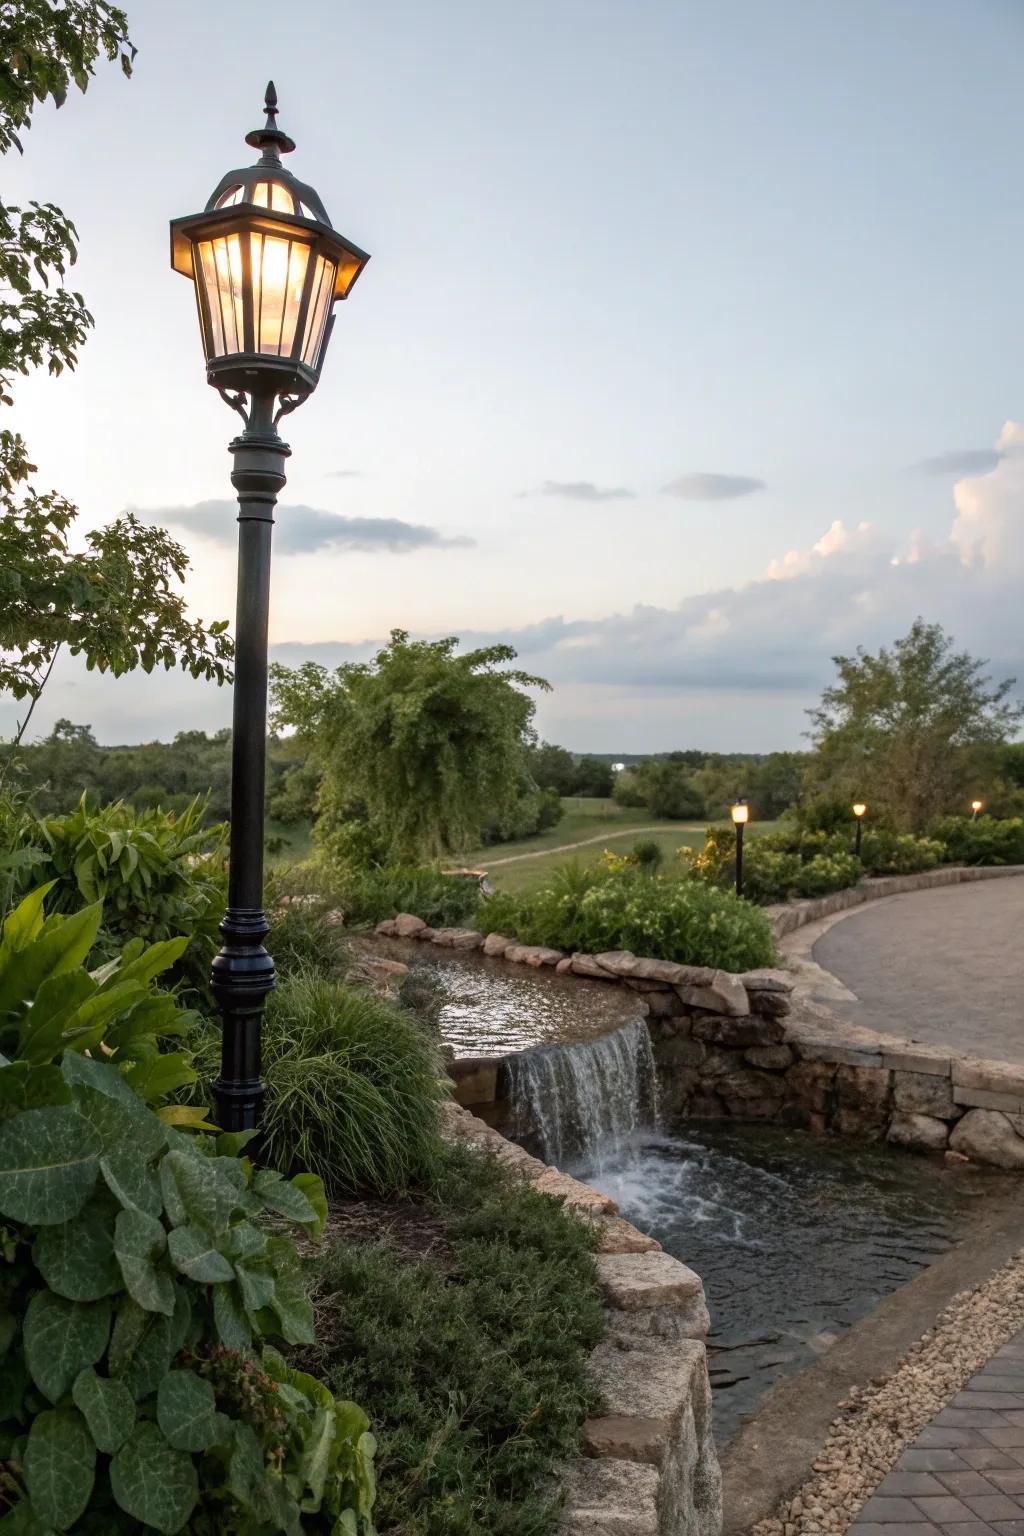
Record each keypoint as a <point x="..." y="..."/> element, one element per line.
<point x="588" y="827"/>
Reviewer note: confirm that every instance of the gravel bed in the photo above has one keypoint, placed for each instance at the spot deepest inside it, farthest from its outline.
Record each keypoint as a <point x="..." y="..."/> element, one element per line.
<point x="877" y="1422"/>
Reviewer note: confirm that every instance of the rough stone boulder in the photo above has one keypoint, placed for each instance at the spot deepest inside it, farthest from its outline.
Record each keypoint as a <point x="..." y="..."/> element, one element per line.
<point x="610" y="1498"/>
<point x="653" y="1294"/>
<point x="386" y="928"/>
<point x="618" y="962"/>
<point x="919" y="1133"/>
<point x="921" y="1093"/>
<point x="457" y="938"/>
<point x="533" y="954"/>
<point x="812" y="1083"/>
<point x="586" y="965"/>
<point x="407" y="925"/>
<point x="986" y="1136"/>
<point x="722" y="993"/>
<point x="721" y="1029"/>
<point x="767" y="980"/>
<point x="496" y="944"/>
<point x="770" y="1058"/>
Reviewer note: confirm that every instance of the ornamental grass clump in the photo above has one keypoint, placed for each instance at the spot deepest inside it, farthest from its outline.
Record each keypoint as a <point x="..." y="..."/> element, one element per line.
<point x="146" y="1278"/>
<point x="353" y="1086"/>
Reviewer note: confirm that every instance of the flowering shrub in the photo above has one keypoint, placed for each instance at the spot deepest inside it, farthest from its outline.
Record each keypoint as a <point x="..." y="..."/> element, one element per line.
<point x="899" y="853"/>
<point x="982" y="841"/>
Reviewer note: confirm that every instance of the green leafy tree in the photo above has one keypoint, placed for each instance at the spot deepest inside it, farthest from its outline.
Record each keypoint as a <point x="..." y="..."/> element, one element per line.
<point x="552" y="768"/>
<point x="117" y="601"/>
<point x="910" y="727"/>
<point x="419" y="747"/>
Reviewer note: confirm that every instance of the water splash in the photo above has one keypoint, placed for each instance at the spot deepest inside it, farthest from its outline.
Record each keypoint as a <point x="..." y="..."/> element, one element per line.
<point x="586" y="1104"/>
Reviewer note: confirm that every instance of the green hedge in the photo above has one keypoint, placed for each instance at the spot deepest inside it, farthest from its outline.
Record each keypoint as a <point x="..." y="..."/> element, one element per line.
<point x="982" y="841"/>
<point x="668" y="919"/>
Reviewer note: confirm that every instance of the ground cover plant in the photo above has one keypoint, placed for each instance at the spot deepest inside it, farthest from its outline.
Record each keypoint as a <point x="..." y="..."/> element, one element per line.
<point x="353" y="1086"/>
<point x="142" y="1291"/>
<point x="472" y="1352"/>
<point x="621" y="906"/>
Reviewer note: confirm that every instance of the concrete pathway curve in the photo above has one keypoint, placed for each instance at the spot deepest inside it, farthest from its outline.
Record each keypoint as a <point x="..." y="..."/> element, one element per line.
<point x="944" y="966"/>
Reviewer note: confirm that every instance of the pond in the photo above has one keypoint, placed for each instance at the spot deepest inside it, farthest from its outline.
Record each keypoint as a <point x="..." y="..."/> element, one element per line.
<point x="796" y="1237"/>
<point x="491" y="1008"/>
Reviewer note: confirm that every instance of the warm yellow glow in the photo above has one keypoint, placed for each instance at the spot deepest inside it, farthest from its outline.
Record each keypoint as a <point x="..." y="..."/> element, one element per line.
<point x="220" y="262"/>
<point x="976" y="805"/>
<point x="860" y="809"/>
<point x="320" y="303"/>
<point x="278" y="275"/>
<point x="741" y="813"/>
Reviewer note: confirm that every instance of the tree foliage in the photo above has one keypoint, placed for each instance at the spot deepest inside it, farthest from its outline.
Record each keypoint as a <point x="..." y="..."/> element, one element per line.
<point x="427" y="742"/>
<point x="117" y="601"/>
<point x="907" y="728"/>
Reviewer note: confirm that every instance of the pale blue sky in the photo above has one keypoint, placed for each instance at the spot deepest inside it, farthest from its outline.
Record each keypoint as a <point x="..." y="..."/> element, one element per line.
<point x="614" y="245"/>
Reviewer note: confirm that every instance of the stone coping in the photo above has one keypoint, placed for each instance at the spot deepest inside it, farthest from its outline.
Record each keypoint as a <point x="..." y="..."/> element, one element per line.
<point x="649" y="1465"/>
<point x="786" y="917"/>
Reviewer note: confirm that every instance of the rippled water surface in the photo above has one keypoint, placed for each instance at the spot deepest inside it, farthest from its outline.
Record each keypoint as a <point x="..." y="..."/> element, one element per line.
<point x="795" y="1237"/>
<point x="491" y="1008"/>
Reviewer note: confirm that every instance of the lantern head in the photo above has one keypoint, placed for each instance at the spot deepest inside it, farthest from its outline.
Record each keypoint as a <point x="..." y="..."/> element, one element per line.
<point x="741" y="813"/>
<point x="860" y="809"/>
<point x="267" y="265"/>
<point x="976" y="806"/>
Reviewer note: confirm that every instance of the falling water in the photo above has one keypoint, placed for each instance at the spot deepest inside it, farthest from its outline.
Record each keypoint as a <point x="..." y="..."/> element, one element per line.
<point x="586" y="1103"/>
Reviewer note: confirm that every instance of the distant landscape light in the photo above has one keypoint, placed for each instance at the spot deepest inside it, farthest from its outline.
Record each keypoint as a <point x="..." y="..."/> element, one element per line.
<point x="860" y="810"/>
<point x="740" y="816"/>
<point x="741" y="813"/>
<point x="976" y="806"/>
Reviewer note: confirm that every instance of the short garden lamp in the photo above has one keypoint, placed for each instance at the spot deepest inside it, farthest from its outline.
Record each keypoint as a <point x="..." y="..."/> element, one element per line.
<point x="268" y="266"/>
<point x="860" y="810"/>
<point x="976" y="807"/>
<point x="740" y="817"/>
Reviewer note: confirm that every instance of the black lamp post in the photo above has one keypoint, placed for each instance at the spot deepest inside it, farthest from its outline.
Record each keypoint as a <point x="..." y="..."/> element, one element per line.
<point x="740" y="816"/>
<point x="267" y="267"/>
<point x="860" y="810"/>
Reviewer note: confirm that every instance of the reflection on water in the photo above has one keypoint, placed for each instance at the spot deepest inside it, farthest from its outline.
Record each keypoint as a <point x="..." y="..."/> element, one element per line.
<point x="492" y="1008"/>
<point x="795" y="1237"/>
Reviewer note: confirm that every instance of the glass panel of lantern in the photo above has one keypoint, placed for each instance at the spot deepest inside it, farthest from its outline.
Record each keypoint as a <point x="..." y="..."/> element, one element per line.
<point x="319" y="308"/>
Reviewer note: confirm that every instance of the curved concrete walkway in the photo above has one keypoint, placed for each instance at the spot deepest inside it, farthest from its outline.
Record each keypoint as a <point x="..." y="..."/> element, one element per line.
<point x="944" y="966"/>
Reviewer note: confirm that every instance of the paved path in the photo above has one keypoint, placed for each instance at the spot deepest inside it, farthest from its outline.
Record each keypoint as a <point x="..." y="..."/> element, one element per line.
<point x="944" y="966"/>
<point x="964" y="1474"/>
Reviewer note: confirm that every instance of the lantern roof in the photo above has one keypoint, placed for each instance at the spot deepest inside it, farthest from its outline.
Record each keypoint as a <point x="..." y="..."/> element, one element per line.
<point x="268" y="183"/>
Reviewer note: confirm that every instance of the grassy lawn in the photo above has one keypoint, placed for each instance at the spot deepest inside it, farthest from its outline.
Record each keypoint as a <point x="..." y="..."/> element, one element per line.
<point x="614" y="828"/>
<point x="297" y="844"/>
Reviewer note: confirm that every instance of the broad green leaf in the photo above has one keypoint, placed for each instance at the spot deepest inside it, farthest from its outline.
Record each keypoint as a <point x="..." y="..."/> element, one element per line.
<point x="23" y="924"/>
<point x="61" y="1339"/>
<point x="108" y="1409"/>
<point x="134" y="1185"/>
<point x="191" y="1115"/>
<point x="41" y="1035"/>
<point x="283" y="1198"/>
<point x="49" y="1159"/>
<point x="157" y="958"/>
<point x="234" y="1143"/>
<point x="194" y="1251"/>
<point x="244" y="1241"/>
<point x="186" y="1411"/>
<point x="60" y="1466"/>
<point x="88" y="1024"/>
<point x="312" y="1186"/>
<point x="142" y="1346"/>
<point x="77" y="1259"/>
<point x="290" y="1302"/>
<point x="209" y="1190"/>
<point x="161" y="1075"/>
<point x="62" y="947"/>
<point x="140" y="1244"/>
<point x="229" y="1318"/>
<point x="257" y="1287"/>
<point x="120" y="1124"/>
<point x="101" y="1075"/>
<point x="154" y="1482"/>
<point x="24" y="1087"/>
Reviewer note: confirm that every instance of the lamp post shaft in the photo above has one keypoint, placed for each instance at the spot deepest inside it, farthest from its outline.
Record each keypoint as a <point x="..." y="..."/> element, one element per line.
<point x="739" y="858"/>
<point x="860" y="824"/>
<point x="243" y="971"/>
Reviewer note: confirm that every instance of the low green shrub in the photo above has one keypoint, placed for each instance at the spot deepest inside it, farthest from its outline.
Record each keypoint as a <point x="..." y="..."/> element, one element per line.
<point x="827" y="872"/>
<point x="899" y="853"/>
<point x="623" y="908"/>
<point x="157" y="874"/>
<point x="985" y="840"/>
<point x="366" y="896"/>
<point x="353" y="1086"/>
<point x="142" y="1290"/>
<point x="648" y="854"/>
<point x="474" y="1356"/>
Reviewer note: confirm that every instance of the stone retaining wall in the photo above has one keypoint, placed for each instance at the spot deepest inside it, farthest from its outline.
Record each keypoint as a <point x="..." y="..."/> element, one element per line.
<point x="649" y="1466"/>
<point x="732" y="1046"/>
<point x="788" y="916"/>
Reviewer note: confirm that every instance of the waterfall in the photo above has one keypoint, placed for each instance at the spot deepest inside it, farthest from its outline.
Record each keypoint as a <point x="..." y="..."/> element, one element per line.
<point x="584" y="1104"/>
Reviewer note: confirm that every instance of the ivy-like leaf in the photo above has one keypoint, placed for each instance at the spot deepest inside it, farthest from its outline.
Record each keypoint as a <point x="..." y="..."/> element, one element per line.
<point x="284" y="1198"/>
<point x="61" y="1339"/>
<point x="140" y="1243"/>
<point x="107" y="1407"/>
<point x="312" y="1186"/>
<point x="24" y="1087"/>
<point x="60" y="1466"/>
<point x="186" y="1411"/>
<point x="229" y="1318"/>
<point x="290" y="1302"/>
<point x="154" y="1482"/>
<point x="194" y="1251"/>
<point x="49" y="1159"/>
<point x="120" y="1124"/>
<point x="209" y="1189"/>
<point x="143" y="1344"/>
<point x="77" y="1259"/>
